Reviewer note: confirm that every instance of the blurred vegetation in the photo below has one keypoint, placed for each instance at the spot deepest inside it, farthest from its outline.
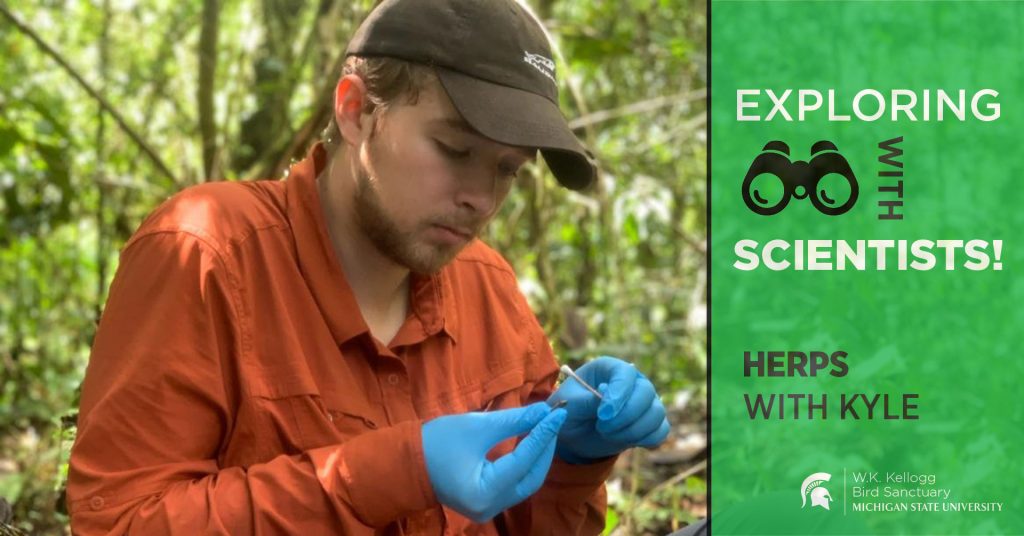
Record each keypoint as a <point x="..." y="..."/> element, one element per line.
<point x="107" y="107"/>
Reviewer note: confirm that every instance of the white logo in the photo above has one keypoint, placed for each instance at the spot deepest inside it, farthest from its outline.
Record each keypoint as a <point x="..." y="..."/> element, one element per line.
<point x="819" y="495"/>
<point x="542" y="64"/>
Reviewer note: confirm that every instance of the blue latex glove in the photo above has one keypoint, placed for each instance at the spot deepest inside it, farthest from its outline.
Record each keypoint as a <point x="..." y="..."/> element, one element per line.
<point x="456" y="446"/>
<point x="630" y="415"/>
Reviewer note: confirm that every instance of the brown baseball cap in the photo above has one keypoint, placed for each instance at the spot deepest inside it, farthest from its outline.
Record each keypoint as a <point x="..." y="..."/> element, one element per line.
<point x="494" y="61"/>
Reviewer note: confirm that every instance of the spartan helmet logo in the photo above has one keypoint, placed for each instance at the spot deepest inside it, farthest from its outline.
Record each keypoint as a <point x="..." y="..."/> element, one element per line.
<point x="819" y="495"/>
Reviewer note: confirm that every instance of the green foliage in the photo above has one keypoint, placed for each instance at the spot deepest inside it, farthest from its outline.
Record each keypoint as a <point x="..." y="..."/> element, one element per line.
<point x="617" y="270"/>
<point x="611" y="522"/>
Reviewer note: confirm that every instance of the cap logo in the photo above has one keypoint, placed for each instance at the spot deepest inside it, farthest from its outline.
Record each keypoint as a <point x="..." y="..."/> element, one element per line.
<point x="542" y="64"/>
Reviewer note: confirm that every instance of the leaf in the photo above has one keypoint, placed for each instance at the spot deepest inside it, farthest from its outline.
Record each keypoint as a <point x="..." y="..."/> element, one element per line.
<point x="610" y="522"/>
<point x="9" y="137"/>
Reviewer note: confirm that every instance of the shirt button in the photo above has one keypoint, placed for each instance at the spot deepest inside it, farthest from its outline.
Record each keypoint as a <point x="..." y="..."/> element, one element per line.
<point x="96" y="503"/>
<point x="393" y="379"/>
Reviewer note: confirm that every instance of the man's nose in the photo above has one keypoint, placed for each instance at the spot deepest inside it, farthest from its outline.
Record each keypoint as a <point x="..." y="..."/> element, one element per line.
<point x="478" y="193"/>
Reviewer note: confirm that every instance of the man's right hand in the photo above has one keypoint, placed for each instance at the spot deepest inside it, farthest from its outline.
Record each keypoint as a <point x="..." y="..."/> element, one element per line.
<point x="456" y="446"/>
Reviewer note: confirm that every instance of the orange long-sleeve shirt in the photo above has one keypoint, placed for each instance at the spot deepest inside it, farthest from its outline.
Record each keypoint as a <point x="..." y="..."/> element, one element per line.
<point x="234" y="387"/>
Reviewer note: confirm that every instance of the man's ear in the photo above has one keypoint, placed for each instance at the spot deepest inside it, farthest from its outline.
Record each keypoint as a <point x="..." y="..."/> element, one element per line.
<point x="349" y="98"/>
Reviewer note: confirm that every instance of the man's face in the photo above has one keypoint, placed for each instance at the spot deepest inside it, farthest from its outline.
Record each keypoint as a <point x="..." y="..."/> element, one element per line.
<point x="427" y="184"/>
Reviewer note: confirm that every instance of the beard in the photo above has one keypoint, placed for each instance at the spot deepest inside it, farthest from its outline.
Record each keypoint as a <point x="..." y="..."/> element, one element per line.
<point x="402" y="246"/>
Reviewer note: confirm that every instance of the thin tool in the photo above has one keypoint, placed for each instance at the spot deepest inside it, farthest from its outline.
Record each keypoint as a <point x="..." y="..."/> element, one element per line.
<point x="568" y="372"/>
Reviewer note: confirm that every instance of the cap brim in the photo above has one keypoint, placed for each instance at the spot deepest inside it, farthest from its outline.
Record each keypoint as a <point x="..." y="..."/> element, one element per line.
<point x="516" y="117"/>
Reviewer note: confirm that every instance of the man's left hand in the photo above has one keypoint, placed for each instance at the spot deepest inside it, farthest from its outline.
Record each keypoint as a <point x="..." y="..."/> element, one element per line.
<point x="630" y="415"/>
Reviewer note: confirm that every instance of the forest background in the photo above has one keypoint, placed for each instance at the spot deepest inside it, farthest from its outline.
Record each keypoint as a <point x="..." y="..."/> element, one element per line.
<point x="108" y="107"/>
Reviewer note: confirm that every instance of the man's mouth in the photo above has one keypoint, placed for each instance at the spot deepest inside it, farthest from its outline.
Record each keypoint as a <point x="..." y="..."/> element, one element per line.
<point x="462" y="233"/>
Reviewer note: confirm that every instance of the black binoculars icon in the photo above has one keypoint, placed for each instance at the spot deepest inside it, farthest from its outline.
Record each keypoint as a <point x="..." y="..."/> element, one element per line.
<point x="800" y="179"/>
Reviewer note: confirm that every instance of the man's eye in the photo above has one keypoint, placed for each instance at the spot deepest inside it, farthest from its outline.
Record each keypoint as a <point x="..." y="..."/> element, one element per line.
<point x="452" y="152"/>
<point x="509" y="172"/>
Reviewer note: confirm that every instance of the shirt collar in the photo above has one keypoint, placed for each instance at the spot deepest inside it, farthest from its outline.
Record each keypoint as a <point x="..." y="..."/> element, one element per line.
<point x="431" y="303"/>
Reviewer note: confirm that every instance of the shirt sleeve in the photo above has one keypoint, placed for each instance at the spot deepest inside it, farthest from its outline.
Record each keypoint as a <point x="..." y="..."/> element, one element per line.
<point x="572" y="500"/>
<point x="158" y="405"/>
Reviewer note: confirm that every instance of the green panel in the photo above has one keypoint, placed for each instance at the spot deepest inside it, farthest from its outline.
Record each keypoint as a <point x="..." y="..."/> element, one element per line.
<point x="950" y="334"/>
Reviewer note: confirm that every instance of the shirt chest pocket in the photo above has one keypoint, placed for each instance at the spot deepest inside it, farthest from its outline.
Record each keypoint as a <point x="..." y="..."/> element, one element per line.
<point x="290" y="416"/>
<point x="350" y="419"/>
<point x="326" y="420"/>
<point x="496" y="392"/>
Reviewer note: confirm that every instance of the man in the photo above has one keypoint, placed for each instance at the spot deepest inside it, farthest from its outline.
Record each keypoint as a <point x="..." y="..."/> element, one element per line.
<point x="336" y="353"/>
